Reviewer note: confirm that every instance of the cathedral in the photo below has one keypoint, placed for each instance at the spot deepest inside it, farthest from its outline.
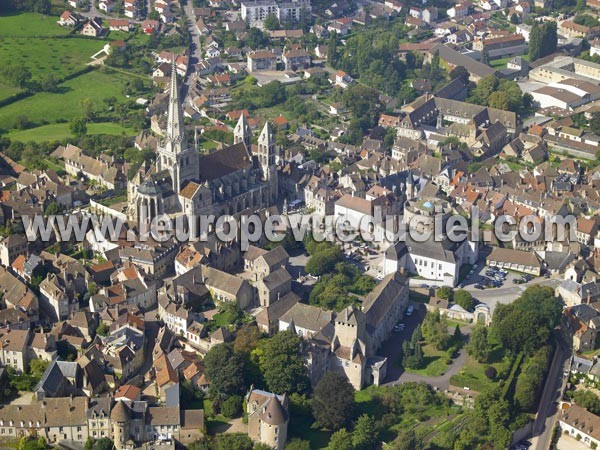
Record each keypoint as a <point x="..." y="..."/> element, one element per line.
<point x="183" y="182"/>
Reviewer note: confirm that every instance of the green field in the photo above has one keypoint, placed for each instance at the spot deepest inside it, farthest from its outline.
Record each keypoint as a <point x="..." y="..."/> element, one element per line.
<point x="59" y="57"/>
<point x="47" y="107"/>
<point x="60" y="131"/>
<point x="31" y="25"/>
<point x="7" y="91"/>
<point x="435" y="362"/>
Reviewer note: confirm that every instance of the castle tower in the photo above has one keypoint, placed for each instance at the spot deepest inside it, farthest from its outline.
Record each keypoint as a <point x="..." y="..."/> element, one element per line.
<point x="119" y="417"/>
<point x="267" y="150"/>
<point x="350" y="326"/>
<point x="273" y="420"/>
<point x="243" y="133"/>
<point x="174" y="154"/>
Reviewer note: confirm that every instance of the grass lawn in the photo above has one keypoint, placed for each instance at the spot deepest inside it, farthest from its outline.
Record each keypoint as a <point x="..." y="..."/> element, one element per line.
<point x="435" y="362"/>
<point x="472" y="374"/>
<point x="60" y="131"/>
<point x="300" y="427"/>
<point x="49" y="106"/>
<point x="59" y="57"/>
<point x="32" y="25"/>
<point x="7" y="91"/>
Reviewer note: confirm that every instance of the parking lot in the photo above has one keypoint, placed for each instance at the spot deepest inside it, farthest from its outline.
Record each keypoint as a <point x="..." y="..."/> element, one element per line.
<point x="483" y="277"/>
<point x="507" y="293"/>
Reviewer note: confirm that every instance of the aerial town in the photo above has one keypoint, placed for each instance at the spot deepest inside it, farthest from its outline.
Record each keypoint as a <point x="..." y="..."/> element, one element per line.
<point x="423" y="183"/>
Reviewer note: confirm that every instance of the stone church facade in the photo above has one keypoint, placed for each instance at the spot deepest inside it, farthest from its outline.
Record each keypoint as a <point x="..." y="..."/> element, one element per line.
<point x="183" y="182"/>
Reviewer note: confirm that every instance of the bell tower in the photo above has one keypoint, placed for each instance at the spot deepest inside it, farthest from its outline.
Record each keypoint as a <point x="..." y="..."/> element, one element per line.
<point x="243" y="133"/>
<point x="174" y="154"/>
<point x="267" y="152"/>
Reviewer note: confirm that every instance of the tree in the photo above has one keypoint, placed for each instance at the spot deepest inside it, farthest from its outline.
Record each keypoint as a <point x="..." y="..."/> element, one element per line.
<point x="247" y="338"/>
<point x="332" y="49"/>
<point x="16" y="75"/>
<point x="498" y="100"/>
<point x="37" y="367"/>
<point x="435" y="330"/>
<point x="535" y="43"/>
<point x="49" y="83"/>
<point x="464" y="299"/>
<point x="340" y="440"/>
<point x="224" y="369"/>
<point x="233" y="441"/>
<point x="485" y="56"/>
<point x="87" y="107"/>
<point x="525" y="324"/>
<point x="478" y="346"/>
<point x="21" y="122"/>
<point x="232" y="407"/>
<point x="445" y="292"/>
<point x="491" y="372"/>
<point x="364" y="436"/>
<point x="595" y="122"/>
<point x="406" y="440"/>
<point x="78" y="127"/>
<point x="297" y="444"/>
<point x="52" y="209"/>
<point x="324" y="262"/>
<point x="460" y="72"/>
<point x="282" y="364"/>
<point x="333" y="401"/>
<point x="588" y="400"/>
<point x="271" y="22"/>
<point x="99" y="444"/>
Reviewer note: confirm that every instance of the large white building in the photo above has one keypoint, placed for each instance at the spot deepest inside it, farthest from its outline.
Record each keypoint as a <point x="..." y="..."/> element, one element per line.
<point x="437" y="260"/>
<point x="255" y="12"/>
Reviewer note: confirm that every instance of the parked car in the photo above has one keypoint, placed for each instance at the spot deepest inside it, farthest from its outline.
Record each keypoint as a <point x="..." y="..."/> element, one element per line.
<point x="409" y="310"/>
<point x="479" y="286"/>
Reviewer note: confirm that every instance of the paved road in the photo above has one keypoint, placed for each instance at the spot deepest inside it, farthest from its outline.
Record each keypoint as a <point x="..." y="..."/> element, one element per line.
<point x="547" y="415"/>
<point x="195" y="49"/>
<point x="392" y="349"/>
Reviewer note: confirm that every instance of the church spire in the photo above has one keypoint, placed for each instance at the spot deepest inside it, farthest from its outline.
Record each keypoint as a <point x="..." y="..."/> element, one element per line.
<point x="242" y="132"/>
<point x="175" y="129"/>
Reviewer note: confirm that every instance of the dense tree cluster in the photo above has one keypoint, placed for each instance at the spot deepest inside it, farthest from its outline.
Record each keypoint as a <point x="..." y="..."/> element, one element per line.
<point x="543" y="40"/>
<point x="254" y="97"/>
<point x="525" y="324"/>
<point x="38" y="6"/>
<point x="530" y="381"/>
<point x="479" y="346"/>
<point x="372" y="56"/>
<point x="335" y="288"/>
<point x="435" y="330"/>
<point x="282" y="365"/>
<point x="501" y="94"/>
<point x="588" y="400"/>
<point x="333" y="401"/>
<point x="412" y="351"/>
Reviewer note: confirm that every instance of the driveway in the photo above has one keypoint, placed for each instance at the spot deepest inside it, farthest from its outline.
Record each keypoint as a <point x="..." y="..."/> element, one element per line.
<point x="392" y="350"/>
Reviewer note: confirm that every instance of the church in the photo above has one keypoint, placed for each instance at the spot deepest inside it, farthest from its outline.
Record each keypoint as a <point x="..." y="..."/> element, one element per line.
<point x="183" y="182"/>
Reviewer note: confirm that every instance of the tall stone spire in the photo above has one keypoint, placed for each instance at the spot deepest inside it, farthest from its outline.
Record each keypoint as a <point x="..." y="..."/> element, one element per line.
<point x="242" y="132"/>
<point x="175" y="128"/>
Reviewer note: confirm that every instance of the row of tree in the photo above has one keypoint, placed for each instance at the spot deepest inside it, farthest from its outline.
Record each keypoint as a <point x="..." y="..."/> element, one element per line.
<point x="543" y="40"/>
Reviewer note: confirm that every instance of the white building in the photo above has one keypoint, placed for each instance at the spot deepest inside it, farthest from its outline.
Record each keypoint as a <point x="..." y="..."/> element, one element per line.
<point x="438" y="261"/>
<point x="255" y="12"/>
<point x="581" y="425"/>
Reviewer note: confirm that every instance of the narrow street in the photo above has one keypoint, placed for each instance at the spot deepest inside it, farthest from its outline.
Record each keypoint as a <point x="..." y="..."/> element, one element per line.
<point x="547" y="415"/>
<point x="195" y="49"/>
